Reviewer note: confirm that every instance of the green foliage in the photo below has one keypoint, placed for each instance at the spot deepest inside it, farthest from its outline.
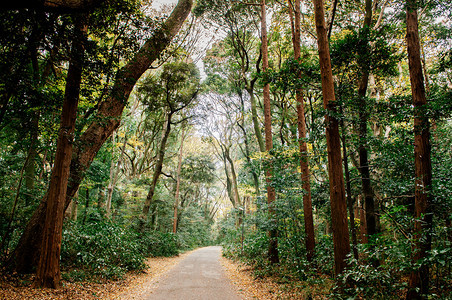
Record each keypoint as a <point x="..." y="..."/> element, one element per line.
<point x="101" y="248"/>
<point x="159" y="244"/>
<point x="365" y="47"/>
<point x="174" y="87"/>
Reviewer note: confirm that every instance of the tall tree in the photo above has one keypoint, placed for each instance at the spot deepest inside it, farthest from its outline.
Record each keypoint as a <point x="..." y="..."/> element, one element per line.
<point x="369" y="202"/>
<point x="48" y="272"/>
<point x="419" y="278"/>
<point x="301" y="121"/>
<point x="108" y="118"/>
<point x="174" y="90"/>
<point x="271" y="195"/>
<point x="336" y="177"/>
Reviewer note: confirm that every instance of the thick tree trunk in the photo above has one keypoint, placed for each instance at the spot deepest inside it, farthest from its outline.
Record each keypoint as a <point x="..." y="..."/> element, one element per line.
<point x="336" y="177"/>
<point x="108" y="118"/>
<point x="158" y="166"/>
<point x="273" y="255"/>
<point x="419" y="278"/>
<point x="304" y="161"/>
<point x="48" y="272"/>
<point x="179" y="166"/>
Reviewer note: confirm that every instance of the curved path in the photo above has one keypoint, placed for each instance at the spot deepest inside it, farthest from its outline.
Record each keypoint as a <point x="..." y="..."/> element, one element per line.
<point x="199" y="276"/>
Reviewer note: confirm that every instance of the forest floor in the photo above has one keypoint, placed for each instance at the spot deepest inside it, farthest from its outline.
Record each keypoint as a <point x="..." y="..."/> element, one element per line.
<point x="137" y="285"/>
<point x="252" y="286"/>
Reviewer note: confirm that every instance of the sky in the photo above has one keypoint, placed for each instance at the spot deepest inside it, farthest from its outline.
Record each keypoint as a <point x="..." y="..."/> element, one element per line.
<point x="158" y="3"/>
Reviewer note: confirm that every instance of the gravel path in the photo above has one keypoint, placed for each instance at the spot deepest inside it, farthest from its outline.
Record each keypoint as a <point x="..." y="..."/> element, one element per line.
<point x="199" y="276"/>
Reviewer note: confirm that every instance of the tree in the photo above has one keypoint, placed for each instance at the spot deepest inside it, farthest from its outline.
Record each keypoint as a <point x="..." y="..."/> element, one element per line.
<point x="419" y="278"/>
<point x="99" y="130"/>
<point x="48" y="272"/>
<point x="173" y="90"/>
<point x="301" y="121"/>
<point x="273" y="232"/>
<point x="336" y="178"/>
<point x="369" y="203"/>
<point x="179" y="166"/>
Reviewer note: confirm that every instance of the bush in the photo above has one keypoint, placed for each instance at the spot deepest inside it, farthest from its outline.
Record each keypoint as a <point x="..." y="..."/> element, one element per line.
<point x="159" y="244"/>
<point x="102" y="249"/>
<point x="364" y="281"/>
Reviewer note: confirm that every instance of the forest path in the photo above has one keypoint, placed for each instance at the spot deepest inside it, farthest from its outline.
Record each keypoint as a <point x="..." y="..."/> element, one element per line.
<point x="199" y="276"/>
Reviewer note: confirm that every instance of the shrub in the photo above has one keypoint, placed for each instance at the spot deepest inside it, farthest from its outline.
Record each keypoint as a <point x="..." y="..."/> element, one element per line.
<point x="101" y="248"/>
<point x="158" y="244"/>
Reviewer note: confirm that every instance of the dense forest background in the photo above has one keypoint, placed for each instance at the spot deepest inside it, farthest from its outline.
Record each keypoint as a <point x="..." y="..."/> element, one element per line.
<point x="320" y="153"/>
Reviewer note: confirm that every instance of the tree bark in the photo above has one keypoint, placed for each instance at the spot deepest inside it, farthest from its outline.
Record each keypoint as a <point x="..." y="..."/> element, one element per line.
<point x="419" y="278"/>
<point x="295" y="16"/>
<point x="108" y="119"/>
<point x="48" y="271"/>
<point x="273" y="255"/>
<point x="336" y="177"/>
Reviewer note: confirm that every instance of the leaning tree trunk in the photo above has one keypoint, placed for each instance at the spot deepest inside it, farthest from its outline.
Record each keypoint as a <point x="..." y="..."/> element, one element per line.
<point x="273" y="255"/>
<point x="419" y="278"/>
<point x="48" y="272"/>
<point x="336" y="177"/>
<point x="108" y="118"/>
<point x="304" y="161"/>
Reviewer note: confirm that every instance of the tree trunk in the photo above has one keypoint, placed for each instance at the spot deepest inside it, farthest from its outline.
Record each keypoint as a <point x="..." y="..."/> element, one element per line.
<point x="255" y="119"/>
<point x="369" y="202"/>
<point x="247" y="146"/>
<point x="362" y="219"/>
<point x="419" y="278"/>
<point x="348" y="188"/>
<point x="158" y="166"/>
<point x="304" y="161"/>
<point x="228" y="177"/>
<point x="179" y="166"/>
<point x="234" y="178"/>
<point x="273" y="255"/>
<point x="108" y="119"/>
<point x="48" y="271"/>
<point x="336" y="177"/>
